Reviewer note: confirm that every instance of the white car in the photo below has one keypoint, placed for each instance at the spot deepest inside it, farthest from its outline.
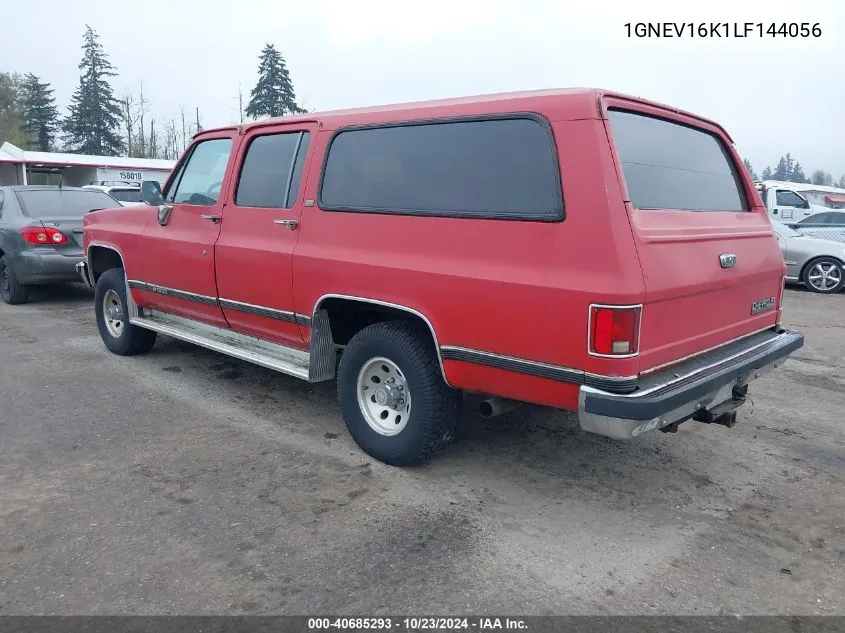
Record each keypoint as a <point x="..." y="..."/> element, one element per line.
<point x="127" y="195"/>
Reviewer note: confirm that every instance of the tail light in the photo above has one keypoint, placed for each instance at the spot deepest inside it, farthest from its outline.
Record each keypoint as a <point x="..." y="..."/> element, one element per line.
<point x="614" y="330"/>
<point x="43" y="236"/>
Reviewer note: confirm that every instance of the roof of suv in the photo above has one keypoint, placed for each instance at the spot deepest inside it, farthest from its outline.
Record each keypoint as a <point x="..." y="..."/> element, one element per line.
<point x="565" y="102"/>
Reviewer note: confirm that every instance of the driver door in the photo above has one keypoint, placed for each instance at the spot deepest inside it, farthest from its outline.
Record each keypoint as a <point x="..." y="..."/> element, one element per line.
<point x="178" y="251"/>
<point x="790" y="206"/>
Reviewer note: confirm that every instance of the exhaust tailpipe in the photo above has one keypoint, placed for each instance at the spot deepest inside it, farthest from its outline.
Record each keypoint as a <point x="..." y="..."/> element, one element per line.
<point x="492" y="407"/>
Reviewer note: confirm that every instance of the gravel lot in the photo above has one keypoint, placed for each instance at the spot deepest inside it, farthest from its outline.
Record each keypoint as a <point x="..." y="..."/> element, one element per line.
<point x="186" y="482"/>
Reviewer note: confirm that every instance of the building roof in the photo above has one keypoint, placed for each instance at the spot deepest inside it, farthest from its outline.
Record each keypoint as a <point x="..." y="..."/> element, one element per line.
<point x="12" y="154"/>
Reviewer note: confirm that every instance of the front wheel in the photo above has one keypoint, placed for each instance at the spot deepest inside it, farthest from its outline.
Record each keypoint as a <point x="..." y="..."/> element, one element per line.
<point x="112" y="312"/>
<point x="393" y="398"/>
<point x="824" y="275"/>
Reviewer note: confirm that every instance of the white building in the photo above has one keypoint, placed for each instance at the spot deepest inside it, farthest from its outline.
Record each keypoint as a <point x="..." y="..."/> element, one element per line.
<point x="22" y="167"/>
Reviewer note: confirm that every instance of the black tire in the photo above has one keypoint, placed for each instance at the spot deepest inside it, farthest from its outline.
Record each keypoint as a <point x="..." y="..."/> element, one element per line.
<point x="131" y="339"/>
<point x="435" y="407"/>
<point x="826" y="262"/>
<point x="12" y="291"/>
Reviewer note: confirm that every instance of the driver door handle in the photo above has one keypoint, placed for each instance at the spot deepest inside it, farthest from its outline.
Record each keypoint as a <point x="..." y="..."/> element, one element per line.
<point x="211" y="217"/>
<point x="291" y="224"/>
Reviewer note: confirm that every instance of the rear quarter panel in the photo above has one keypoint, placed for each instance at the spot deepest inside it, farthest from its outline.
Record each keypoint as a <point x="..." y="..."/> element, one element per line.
<point x="509" y="287"/>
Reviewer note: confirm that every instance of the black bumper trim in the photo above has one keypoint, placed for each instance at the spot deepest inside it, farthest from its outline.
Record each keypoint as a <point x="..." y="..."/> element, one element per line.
<point x="677" y="391"/>
<point x="539" y="370"/>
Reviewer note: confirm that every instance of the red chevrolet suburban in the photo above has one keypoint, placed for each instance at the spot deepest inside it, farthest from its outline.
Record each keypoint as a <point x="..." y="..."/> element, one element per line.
<point x="578" y="249"/>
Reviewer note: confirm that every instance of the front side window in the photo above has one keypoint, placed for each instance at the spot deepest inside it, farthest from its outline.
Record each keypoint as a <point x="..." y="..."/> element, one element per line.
<point x="200" y="179"/>
<point x="272" y="170"/>
<point x="672" y="166"/>
<point x="786" y="198"/>
<point x="497" y="168"/>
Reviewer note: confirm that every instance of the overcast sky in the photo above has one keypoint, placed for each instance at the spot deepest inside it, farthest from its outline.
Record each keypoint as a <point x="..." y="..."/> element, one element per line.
<point x="774" y="96"/>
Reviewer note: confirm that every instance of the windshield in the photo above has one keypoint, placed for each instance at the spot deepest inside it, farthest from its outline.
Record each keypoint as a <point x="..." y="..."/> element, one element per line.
<point x="126" y="195"/>
<point x="67" y="203"/>
<point x="783" y="230"/>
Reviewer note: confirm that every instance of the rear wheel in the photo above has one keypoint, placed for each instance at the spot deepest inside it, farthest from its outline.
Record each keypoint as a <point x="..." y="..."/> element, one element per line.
<point x="824" y="275"/>
<point x="392" y="395"/>
<point x="112" y="312"/>
<point x="12" y="291"/>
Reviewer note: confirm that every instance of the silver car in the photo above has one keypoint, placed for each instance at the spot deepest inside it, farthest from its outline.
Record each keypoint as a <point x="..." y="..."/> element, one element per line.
<point x="41" y="235"/>
<point x="816" y="262"/>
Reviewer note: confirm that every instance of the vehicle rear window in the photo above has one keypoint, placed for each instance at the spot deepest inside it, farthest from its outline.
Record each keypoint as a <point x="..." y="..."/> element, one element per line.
<point x="272" y="170"/>
<point x="672" y="166"/>
<point x="127" y="195"/>
<point x="63" y="202"/>
<point x="494" y="168"/>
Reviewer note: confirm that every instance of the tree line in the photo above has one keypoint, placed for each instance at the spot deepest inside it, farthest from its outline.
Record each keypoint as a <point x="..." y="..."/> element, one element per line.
<point x="789" y="169"/>
<point x="100" y="123"/>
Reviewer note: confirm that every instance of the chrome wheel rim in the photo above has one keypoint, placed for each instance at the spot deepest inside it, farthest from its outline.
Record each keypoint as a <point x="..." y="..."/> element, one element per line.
<point x="113" y="313"/>
<point x="824" y="276"/>
<point x="383" y="396"/>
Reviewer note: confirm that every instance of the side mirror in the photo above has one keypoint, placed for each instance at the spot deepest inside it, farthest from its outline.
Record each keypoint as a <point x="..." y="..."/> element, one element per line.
<point x="151" y="193"/>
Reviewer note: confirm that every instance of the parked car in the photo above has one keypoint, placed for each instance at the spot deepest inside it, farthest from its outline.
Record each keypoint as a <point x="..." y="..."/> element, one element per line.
<point x="829" y="225"/>
<point x="41" y="235"/>
<point x="815" y="262"/>
<point x="571" y="248"/>
<point x="126" y="193"/>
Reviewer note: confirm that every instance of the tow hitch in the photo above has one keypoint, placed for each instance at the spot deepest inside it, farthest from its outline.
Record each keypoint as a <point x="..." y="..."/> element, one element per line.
<point x="724" y="413"/>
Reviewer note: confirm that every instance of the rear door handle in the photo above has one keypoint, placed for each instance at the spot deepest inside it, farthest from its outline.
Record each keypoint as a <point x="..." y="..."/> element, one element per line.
<point x="291" y="224"/>
<point x="213" y="218"/>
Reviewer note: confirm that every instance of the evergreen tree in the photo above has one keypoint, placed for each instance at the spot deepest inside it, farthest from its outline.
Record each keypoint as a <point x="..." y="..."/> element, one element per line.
<point x="273" y="94"/>
<point x="797" y="174"/>
<point x="821" y="177"/>
<point x="767" y="173"/>
<point x="11" y="111"/>
<point x="40" y="115"/>
<point x="750" y="169"/>
<point x="95" y="115"/>
<point x="782" y="170"/>
<point x="841" y="183"/>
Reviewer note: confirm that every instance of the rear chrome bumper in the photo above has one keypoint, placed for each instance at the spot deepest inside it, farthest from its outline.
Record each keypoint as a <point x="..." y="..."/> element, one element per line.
<point x="685" y="390"/>
<point x="82" y="271"/>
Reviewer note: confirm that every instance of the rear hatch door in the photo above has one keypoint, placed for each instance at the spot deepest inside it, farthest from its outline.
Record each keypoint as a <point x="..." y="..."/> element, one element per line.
<point x="711" y="265"/>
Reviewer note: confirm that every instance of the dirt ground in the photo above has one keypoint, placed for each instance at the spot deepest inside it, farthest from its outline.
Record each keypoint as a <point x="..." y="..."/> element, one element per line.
<point x="185" y="482"/>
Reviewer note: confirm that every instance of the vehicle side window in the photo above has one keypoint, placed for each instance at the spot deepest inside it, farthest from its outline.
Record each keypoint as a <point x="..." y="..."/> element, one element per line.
<point x="200" y="179"/>
<point x="503" y="168"/>
<point x="272" y="170"/>
<point x="786" y="198"/>
<point x="820" y="218"/>
<point x="671" y="166"/>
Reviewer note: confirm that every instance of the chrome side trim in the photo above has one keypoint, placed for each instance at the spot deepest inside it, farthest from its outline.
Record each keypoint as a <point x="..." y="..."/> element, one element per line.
<point x="240" y="306"/>
<point x="651" y="370"/>
<point x="173" y="292"/>
<point x="615" y="384"/>
<point x="397" y="306"/>
<point x="284" y="359"/>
